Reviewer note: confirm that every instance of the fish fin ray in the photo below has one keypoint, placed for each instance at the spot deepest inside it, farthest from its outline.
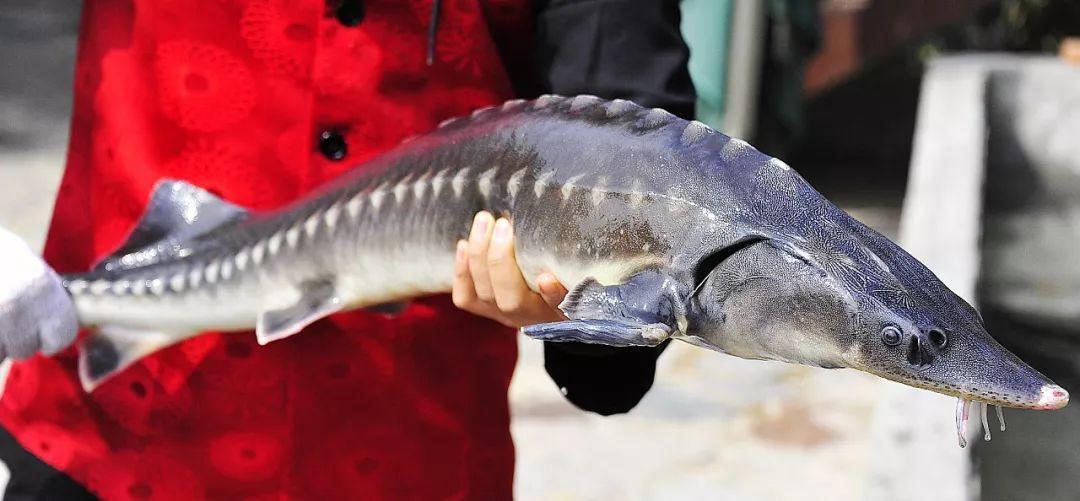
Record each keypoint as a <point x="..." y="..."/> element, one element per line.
<point x="318" y="299"/>
<point x="111" y="349"/>
<point x="649" y="296"/>
<point x="581" y="302"/>
<point x="610" y="332"/>
<point x="178" y="212"/>
<point x="643" y="311"/>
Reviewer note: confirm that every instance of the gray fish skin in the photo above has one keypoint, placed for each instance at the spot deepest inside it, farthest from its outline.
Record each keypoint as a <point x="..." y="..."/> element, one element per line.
<point x="663" y="227"/>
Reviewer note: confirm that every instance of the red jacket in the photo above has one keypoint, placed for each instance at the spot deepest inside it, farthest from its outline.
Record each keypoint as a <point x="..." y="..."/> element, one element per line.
<point x="261" y="101"/>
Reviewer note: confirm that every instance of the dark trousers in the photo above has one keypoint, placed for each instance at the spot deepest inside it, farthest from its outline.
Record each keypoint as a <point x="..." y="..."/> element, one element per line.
<point x="32" y="479"/>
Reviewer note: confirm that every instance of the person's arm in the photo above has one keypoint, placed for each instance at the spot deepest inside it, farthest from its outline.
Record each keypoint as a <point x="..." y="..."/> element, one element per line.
<point x="628" y="49"/>
<point x="489" y="283"/>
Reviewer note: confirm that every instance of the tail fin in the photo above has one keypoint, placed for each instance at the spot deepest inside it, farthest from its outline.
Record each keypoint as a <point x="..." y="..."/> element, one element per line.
<point x="111" y="349"/>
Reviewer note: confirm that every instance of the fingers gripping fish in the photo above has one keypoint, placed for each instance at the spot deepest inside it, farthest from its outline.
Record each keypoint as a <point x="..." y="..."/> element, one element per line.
<point x="665" y="229"/>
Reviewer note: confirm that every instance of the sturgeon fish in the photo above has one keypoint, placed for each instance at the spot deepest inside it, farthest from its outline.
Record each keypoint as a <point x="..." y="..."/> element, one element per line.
<point x="662" y="227"/>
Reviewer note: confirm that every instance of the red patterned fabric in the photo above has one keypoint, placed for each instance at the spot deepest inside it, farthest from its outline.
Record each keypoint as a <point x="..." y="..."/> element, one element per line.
<point x="232" y="95"/>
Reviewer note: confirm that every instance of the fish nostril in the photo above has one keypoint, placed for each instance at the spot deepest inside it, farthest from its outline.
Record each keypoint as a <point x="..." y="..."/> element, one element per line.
<point x="914" y="356"/>
<point x="938" y="337"/>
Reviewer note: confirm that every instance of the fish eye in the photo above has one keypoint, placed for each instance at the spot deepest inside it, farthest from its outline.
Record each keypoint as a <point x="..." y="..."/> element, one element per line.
<point x="938" y="338"/>
<point x="891" y="336"/>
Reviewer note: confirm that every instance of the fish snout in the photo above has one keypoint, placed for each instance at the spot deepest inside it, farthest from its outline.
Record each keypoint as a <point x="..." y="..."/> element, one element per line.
<point x="1002" y="378"/>
<point x="1052" y="397"/>
<point x="964" y="362"/>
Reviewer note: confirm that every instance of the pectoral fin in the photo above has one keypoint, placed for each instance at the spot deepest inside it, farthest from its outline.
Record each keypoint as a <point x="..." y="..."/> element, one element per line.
<point x="644" y="311"/>
<point x="317" y="300"/>
<point x="606" y="332"/>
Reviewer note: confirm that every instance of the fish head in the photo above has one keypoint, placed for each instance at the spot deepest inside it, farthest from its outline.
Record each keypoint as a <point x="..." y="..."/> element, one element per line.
<point x="916" y="331"/>
<point x="949" y="354"/>
<point x="874" y="309"/>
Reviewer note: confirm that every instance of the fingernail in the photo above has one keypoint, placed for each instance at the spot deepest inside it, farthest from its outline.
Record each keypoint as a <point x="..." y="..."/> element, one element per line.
<point x="547" y="283"/>
<point x="480" y="223"/>
<point x="462" y="249"/>
<point x="502" y="229"/>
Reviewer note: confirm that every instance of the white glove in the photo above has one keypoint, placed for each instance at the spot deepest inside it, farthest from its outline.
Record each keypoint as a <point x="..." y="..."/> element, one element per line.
<point x="36" y="313"/>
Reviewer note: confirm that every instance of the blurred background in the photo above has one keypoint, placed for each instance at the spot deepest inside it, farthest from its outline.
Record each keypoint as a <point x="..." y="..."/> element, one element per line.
<point x="951" y="126"/>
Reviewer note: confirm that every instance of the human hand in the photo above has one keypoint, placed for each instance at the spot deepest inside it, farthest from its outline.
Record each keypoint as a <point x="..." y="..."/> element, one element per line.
<point x="488" y="282"/>
<point x="36" y="313"/>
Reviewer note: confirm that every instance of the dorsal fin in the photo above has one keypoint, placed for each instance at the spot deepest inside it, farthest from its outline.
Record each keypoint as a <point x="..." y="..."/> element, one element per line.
<point x="177" y="213"/>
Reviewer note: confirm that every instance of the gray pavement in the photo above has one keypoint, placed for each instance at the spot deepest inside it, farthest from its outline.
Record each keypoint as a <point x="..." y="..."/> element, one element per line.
<point x="37" y="50"/>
